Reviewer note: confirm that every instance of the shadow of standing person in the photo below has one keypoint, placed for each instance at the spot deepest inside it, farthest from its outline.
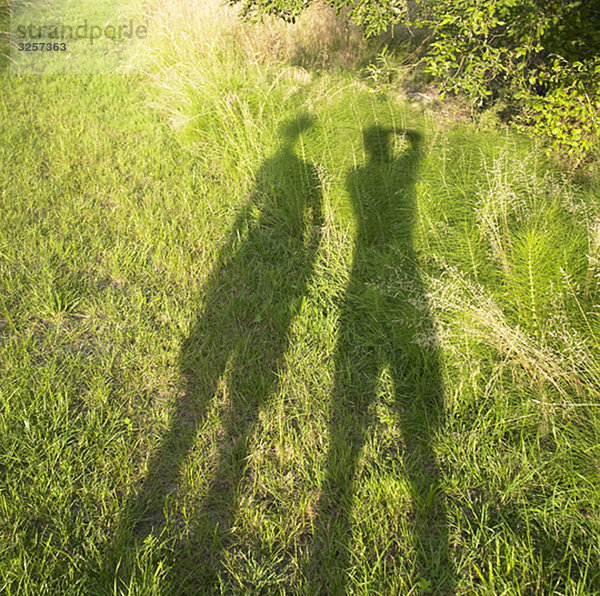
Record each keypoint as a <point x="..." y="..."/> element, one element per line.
<point x="383" y="332"/>
<point x="233" y="355"/>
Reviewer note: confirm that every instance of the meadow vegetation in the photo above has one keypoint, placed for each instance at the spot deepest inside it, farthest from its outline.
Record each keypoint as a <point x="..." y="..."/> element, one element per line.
<point x="536" y="64"/>
<point x="267" y="326"/>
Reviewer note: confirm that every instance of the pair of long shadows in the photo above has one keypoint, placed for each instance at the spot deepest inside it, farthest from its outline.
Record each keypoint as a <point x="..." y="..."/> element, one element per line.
<point x="243" y="333"/>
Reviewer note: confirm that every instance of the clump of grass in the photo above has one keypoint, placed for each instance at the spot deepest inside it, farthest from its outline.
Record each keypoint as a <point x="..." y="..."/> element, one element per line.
<point x="319" y="39"/>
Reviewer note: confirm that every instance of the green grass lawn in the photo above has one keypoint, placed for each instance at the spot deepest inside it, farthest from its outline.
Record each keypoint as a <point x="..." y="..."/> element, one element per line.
<point x="263" y="336"/>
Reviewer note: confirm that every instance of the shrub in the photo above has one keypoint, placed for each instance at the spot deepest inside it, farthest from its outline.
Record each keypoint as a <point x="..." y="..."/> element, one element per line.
<point x="542" y="58"/>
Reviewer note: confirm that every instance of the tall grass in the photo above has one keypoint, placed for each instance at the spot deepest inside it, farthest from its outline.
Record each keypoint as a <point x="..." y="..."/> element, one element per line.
<point x="319" y="39"/>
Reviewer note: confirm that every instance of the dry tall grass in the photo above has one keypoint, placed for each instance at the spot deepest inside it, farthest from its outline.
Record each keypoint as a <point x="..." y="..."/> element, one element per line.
<point x="319" y="39"/>
<point x="468" y="310"/>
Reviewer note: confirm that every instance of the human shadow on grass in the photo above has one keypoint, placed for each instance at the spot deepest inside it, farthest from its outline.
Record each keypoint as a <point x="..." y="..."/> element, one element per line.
<point x="385" y="328"/>
<point x="231" y="362"/>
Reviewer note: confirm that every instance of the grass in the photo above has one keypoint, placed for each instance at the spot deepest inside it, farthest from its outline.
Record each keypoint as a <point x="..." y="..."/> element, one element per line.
<point x="87" y="37"/>
<point x="266" y="331"/>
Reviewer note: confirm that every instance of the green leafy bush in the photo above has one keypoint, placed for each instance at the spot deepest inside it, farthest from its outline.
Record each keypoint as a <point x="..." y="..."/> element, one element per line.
<point x="286" y="9"/>
<point x="540" y="58"/>
<point x="569" y="112"/>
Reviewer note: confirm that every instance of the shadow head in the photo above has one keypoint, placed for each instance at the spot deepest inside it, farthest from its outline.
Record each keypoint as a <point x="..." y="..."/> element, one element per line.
<point x="378" y="141"/>
<point x="291" y="129"/>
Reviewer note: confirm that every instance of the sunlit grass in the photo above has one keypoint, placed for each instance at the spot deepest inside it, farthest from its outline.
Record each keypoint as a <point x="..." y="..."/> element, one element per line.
<point x="135" y="460"/>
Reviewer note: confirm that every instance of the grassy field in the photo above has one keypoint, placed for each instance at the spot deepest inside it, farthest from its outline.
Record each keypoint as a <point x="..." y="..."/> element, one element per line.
<point x="266" y="329"/>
